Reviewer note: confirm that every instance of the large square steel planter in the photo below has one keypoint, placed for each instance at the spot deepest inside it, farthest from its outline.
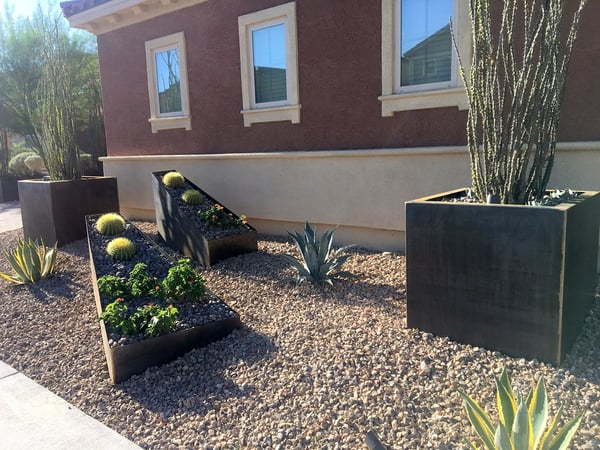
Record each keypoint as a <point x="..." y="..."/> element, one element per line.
<point x="518" y="279"/>
<point x="133" y="358"/>
<point x="181" y="233"/>
<point x="55" y="210"/>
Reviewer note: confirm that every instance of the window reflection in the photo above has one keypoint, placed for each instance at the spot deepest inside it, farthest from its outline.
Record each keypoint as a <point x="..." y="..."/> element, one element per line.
<point x="168" y="81"/>
<point x="426" y="41"/>
<point x="269" y="56"/>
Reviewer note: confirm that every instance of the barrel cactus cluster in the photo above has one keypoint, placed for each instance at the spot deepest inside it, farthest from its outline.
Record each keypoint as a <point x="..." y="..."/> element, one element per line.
<point x="173" y="179"/>
<point x="110" y="224"/>
<point x="121" y="249"/>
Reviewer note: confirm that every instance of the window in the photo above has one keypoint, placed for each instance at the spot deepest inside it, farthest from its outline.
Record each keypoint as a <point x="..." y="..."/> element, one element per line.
<point x="167" y="83"/>
<point x="419" y="62"/>
<point x="269" y="65"/>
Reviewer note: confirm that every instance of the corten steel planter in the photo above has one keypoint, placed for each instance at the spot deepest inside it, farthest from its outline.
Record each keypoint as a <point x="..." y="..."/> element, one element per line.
<point x="518" y="279"/>
<point x="133" y="358"/>
<point x="9" y="190"/>
<point x="181" y="233"/>
<point x="55" y="210"/>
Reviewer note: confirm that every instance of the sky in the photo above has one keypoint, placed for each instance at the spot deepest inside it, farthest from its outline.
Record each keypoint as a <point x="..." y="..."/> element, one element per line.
<point x="26" y="7"/>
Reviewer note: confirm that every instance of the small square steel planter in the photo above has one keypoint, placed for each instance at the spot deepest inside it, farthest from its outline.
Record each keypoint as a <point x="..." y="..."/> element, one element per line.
<point x="517" y="279"/>
<point x="181" y="233"/>
<point x="55" y="210"/>
<point x="133" y="358"/>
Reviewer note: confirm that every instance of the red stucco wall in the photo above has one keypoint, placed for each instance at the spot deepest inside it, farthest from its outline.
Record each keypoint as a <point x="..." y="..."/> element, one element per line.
<point x="339" y="53"/>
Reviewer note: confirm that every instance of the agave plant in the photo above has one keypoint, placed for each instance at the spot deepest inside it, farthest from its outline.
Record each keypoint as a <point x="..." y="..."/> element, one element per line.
<point x="30" y="261"/>
<point x="320" y="263"/>
<point x="523" y="423"/>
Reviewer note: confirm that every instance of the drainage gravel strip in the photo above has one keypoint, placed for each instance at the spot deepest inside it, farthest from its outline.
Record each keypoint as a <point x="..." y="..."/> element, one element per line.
<point x="312" y="368"/>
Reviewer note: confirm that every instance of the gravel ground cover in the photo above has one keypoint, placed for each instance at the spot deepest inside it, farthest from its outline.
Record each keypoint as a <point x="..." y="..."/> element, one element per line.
<point x="312" y="368"/>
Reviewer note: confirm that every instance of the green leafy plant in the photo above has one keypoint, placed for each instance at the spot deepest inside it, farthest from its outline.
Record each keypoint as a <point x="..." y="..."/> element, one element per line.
<point x="154" y="320"/>
<point x="116" y="317"/>
<point x="30" y="261"/>
<point x="192" y="197"/>
<point x="173" y="179"/>
<point x="141" y="283"/>
<point x="110" y="224"/>
<point x="216" y="216"/>
<point x="183" y="282"/>
<point x="17" y="165"/>
<point x="320" y="263"/>
<point x="523" y="422"/>
<point x="120" y="249"/>
<point x="114" y="287"/>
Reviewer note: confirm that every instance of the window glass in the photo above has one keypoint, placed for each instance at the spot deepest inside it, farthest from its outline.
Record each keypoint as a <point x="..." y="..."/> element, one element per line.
<point x="426" y="41"/>
<point x="269" y="60"/>
<point x="168" y="81"/>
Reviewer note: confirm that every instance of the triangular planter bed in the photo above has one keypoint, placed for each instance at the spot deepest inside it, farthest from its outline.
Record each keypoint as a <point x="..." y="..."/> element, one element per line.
<point x="207" y="322"/>
<point x="183" y="231"/>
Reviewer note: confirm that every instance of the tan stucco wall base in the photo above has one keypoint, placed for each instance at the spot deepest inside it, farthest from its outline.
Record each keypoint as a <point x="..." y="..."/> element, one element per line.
<point x="361" y="191"/>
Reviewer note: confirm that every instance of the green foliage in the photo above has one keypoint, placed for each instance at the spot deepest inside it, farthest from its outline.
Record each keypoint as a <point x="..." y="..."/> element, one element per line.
<point x="192" y="197"/>
<point x="17" y="165"/>
<point x="320" y="263"/>
<point x="522" y="423"/>
<point x="35" y="163"/>
<point x="30" y="261"/>
<point x="183" y="282"/>
<point x="114" y="287"/>
<point x="154" y="320"/>
<point x="515" y="89"/>
<point x="216" y="216"/>
<point x="140" y="283"/>
<point x="49" y="85"/>
<point x="116" y="317"/>
<point x="110" y="224"/>
<point x="173" y="179"/>
<point x="120" y="249"/>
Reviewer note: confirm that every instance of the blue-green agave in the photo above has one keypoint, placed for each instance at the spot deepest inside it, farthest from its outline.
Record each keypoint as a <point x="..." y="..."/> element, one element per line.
<point x="523" y="423"/>
<point x="320" y="263"/>
<point x="30" y="261"/>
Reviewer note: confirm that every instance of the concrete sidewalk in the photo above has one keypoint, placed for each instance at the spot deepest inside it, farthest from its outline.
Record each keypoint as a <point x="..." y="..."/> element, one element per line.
<point x="32" y="417"/>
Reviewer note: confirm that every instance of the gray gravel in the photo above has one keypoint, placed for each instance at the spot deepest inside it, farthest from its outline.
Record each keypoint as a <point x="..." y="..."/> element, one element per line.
<point x="312" y="368"/>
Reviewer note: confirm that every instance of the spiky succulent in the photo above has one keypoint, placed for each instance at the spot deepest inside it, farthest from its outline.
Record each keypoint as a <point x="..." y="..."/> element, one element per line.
<point x="110" y="224"/>
<point x="320" y="263"/>
<point x="120" y="249"/>
<point x="173" y="179"/>
<point x="192" y="197"/>
<point x="523" y="422"/>
<point x="30" y="261"/>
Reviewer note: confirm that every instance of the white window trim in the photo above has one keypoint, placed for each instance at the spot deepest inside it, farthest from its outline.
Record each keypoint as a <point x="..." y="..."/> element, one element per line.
<point x="181" y="119"/>
<point x="422" y="97"/>
<point x="288" y="110"/>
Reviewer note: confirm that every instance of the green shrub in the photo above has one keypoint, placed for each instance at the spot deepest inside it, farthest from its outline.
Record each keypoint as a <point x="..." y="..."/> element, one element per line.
<point x="183" y="282"/>
<point x="116" y="317"/>
<point x="173" y="179"/>
<point x="17" y="165"/>
<point x="523" y="422"/>
<point x="120" y="249"/>
<point x="30" y="261"/>
<point x="34" y="163"/>
<point x="216" y="216"/>
<point x="114" y="287"/>
<point x="141" y="284"/>
<point x="151" y="320"/>
<point x="192" y="197"/>
<point x="110" y="224"/>
<point x="320" y="263"/>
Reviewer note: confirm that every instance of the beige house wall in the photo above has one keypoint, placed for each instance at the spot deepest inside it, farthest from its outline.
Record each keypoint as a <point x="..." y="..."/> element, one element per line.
<point x="361" y="191"/>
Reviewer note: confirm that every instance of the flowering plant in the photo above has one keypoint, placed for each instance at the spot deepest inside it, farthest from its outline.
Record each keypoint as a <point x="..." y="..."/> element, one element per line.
<point x="216" y="216"/>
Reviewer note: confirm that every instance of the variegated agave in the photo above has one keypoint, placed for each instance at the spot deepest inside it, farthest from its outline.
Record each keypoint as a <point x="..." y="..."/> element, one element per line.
<point x="523" y="423"/>
<point x="320" y="262"/>
<point x="30" y="261"/>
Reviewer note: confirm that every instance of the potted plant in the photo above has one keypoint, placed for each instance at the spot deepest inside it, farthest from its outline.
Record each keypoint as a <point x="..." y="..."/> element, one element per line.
<point x="54" y="209"/>
<point x="517" y="274"/>
<point x="195" y="224"/>
<point x="152" y="309"/>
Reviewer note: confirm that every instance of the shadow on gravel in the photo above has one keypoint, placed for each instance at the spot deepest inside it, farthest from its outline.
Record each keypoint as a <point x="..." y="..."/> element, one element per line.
<point x="197" y="382"/>
<point x="61" y="286"/>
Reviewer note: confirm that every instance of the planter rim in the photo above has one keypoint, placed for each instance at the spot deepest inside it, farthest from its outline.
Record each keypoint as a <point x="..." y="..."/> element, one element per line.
<point x="86" y="177"/>
<point x="432" y="199"/>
